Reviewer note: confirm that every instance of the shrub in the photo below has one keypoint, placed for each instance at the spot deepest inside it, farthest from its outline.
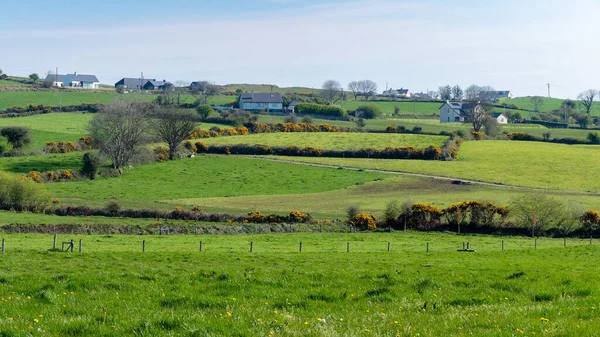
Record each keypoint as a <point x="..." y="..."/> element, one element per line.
<point x="364" y="221"/>
<point x="17" y="136"/>
<point x="391" y="129"/>
<point x="547" y="136"/>
<point x="424" y="216"/>
<point x="352" y="210"/>
<point x="477" y="135"/>
<point x="161" y="153"/>
<point x="91" y="164"/>
<point x="291" y="118"/>
<point x="319" y="109"/>
<point x="190" y="147"/>
<point x="392" y="212"/>
<point x="22" y="194"/>
<point x="112" y="207"/>
<point x="593" y="137"/>
<point x="521" y="136"/>
<point x="367" y="111"/>
<point x="201" y="147"/>
<point x="590" y="220"/>
<point x="204" y="110"/>
<point x="307" y="119"/>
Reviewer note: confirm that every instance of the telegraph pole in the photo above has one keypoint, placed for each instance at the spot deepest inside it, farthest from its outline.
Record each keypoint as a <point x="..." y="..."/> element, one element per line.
<point x="548" y="90"/>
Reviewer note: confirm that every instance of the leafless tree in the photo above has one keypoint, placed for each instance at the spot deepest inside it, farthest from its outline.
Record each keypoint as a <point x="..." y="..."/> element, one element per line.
<point x="354" y="87"/>
<point x="367" y="88"/>
<point x="537" y="211"/>
<point x="587" y="99"/>
<point x="331" y="91"/>
<point x="445" y="92"/>
<point x="118" y="129"/>
<point x="434" y="94"/>
<point x="457" y="93"/>
<point x="537" y="102"/>
<point x="172" y="125"/>
<point x="182" y="84"/>
<point x="204" y="90"/>
<point x="477" y="113"/>
<point x="485" y="93"/>
<point x="472" y="92"/>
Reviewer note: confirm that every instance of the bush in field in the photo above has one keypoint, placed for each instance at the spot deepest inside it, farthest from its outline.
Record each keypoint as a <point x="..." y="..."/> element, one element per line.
<point x="17" y="136"/>
<point x="112" y="207"/>
<point x="201" y="147"/>
<point x="319" y="109"/>
<point x="352" y="210"/>
<point x="424" y="216"/>
<point x="307" y="119"/>
<point x="590" y="220"/>
<point x="477" y="135"/>
<point x="91" y="164"/>
<point x="204" y="110"/>
<point x="537" y="212"/>
<point x="392" y="212"/>
<point x="593" y="137"/>
<point x="364" y="221"/>
<point x="367" y="112"/>
<point x="190" y="147"/>
<point x="161" y="153"/>
<point x="21" y="194"/>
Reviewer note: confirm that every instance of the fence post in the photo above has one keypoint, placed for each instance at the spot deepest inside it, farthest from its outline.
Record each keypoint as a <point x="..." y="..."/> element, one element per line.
<point x="200" y="245"/>
<point x="502" y="245"/>
<point x="80" y="245"/>
<point x="348" y="247"/>
<point x="300" y="246"/>
<point x="388" y="247"/>
<point x="251" y="244"/>
<point x="320" y="228"/>
<point x="2" y="245"/>
<point x="565" y="242"/>
<point x="54" y="244"/>
<point x="143" y="246"/>
<point x="72" y="245"/>
<point x="590" y="239"/>
<point x="535" y="243"/>
<point x="427" y="246"/>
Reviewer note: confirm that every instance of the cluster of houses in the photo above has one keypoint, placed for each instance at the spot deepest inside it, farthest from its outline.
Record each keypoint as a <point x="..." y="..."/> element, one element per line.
<point x="74" y="80"/>
<point x="453" y="112"/>
<point x="142" y="84"/>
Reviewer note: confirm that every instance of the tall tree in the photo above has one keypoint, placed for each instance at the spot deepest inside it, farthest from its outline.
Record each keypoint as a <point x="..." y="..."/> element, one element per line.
<point x="477" y="113"/>
<point x="118" y="129"/>
<point x="34" y="77"/>
<point x="457" y="93"/>
<point x="485" y="93"/>
<point x="445" y="92"/>
<point x="537" y="211"/>
<point x="173" y="126"/>
<point x="331" y="91"/>
<point x="537" y="102"/>
<point x="472" y="92"/>
<point x="354" y="87"/>
<point x="367" y="88"/>
<point x="587" y="99"/>
<point x="204" y="90"/>
<point x="17" y="136"/>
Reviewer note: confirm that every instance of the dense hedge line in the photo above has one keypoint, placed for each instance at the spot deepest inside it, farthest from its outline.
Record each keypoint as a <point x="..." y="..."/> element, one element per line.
<point x="44" y="109"/>
<point x="319" y="109"/>
<point x="404" y="152"/>
<point x="523" y="136"/>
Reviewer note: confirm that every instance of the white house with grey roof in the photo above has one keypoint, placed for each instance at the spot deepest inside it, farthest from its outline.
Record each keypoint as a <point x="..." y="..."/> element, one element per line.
<point x="256" y="101"/>
<point x="454" y="112"/>
<point x="495" y="95"/>
<point x="74" y="80"/>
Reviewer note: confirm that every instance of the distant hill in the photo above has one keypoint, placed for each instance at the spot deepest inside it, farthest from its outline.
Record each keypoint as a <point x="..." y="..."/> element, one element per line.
<point x="245" y="87"/>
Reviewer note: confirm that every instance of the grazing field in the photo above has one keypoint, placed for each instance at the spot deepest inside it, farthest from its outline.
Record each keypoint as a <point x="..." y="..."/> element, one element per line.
<point x="549" y="104"/>
<point x="42" y="162"/>
<point x="406" y="108"/>
<point x="529" y="164"/>
<point x="9" y="99"/>
<point x="210" y="176"/>
<point x="113" y="289"/>
<point x="9" y="83"/>
<point x="332" y="140"/>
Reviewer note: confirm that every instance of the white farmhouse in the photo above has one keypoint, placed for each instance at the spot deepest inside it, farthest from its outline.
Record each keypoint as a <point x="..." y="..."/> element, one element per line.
<point x="267" y="101"/>
<point x="74" y="80"/>
<point x="454" y="112"/>
<point x="499" y="117"/>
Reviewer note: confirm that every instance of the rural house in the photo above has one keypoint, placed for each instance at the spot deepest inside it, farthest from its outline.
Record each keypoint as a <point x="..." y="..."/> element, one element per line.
<point x="402" y="93"/>
<point x="74" y="80"/>
<point x="292" y="106"/>
<point x="454" y="112"/>
<point x="268" y="101"/>
<point x="496" y="95"/>
<point x="133" y="83"/>
<point x="154" y="85"/>
<point x="499" y="117"/>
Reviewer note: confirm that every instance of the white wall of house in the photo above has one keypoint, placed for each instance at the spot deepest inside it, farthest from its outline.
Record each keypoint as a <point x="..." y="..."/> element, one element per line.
<point x="449" y="115"/>
<point x="261" y="106"/>
<point x="502" y="120"/>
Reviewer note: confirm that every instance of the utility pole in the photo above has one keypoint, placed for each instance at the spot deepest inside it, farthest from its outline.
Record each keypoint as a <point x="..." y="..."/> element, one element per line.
<point x="548" y="90"/>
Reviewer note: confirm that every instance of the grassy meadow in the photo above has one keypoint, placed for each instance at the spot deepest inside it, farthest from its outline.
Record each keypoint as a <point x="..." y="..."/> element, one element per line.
<point x="113" y="289"/>
<point x="332" y="141"/>
<point x="549" y="104"/>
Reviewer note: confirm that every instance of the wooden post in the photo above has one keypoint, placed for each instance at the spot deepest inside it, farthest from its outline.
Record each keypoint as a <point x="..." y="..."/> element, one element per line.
<point x="200" y="245"/>
<point x="72" y="245"/>
<point x="251" y="244"/>
<point x="502" y="245"/>
<point x="535" y="243"/>
<point x="464" y="246"/>
<point x="300" y="246"/>
<point x="390" y="228"/>
<point x="2" y="245"/>
<point x="388" y="247"/>
<point x="565" y="242"/>
<point x="468" y="245"/>
<point x="427" y="246"/>
<point x="590" y="239"/>
<point x="80" y="245"/>
<point x="348" y="248"/>
<point x="320" y="228"/>
<point x="54" y="244"/>
<point x="143" y="246"/>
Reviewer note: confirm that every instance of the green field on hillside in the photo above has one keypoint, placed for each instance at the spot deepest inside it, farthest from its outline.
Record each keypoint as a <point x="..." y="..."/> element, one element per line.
<point x="549" y="104"/>
<point x="270" y="88"/>
<point x="210" y="176"/>
<point x="113" y="289"/>
<point x="331" y="140"/>
<point x="530" y="164"/>
<point x="406" y="108"/>
<point x="9" y="83"/>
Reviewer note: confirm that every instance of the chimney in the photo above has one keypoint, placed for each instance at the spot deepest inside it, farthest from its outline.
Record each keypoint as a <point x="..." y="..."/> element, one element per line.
<point x="75" y="73"/>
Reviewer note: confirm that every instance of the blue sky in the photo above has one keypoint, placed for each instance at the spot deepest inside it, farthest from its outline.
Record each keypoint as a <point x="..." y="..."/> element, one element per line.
<point x="420" y="45"/>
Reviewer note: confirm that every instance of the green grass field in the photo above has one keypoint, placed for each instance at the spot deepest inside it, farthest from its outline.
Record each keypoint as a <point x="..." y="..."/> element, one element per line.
<point x="530" y="164"/>
<point x="113" y="289"/>
<point x="406" y="108"/>
<point x="549" y="104"/>
<point x="9" y="83"/>
<point x="332" y="141"/>
<point x="41" y="163"/>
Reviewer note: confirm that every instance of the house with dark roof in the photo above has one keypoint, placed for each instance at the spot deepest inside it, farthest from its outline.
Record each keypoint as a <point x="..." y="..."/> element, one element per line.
<point x="255" y="101"/>
<point x="403" y="93"/>
<point x="133" y="83"/>
<point x="292" y="106"/>
<point x="155" y="85"/>
<point x="74" y="80"/>
<point x="454" y="112"/>
<point x="495" y="95"/>
<point x="499" y="117"/>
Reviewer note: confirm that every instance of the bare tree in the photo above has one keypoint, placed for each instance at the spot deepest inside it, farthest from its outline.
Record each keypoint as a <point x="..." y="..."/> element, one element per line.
<point x="587" y="99"/>
<point x="457" y="93"/>
<point x="354" y="87"/>
<point x="445" y="92"/>
<point x="477" y="113"/>
<point x="472" y="92"/>
<point x="182" y="84"/>
<point x="204" y="90"/>
<point x="331" y="91"/>
<point x="173" y="126"/>
<point x="486" y="93"/>
<point x="118" y="129"/>
<point x="537" y="102"/>
<point x="537" y="211"/>
<point x="367" y="88"/>
<point x="434" y="94"/>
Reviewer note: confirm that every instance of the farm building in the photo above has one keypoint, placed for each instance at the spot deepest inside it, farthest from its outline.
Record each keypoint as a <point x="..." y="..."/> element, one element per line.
<point x="292" y="105"/>
<point x="74" y="80"/>
<point x="496" y="95"/>
<point x="154" y="85"/>
<point x="402" y="93"/>
<point x="499" y="117"/>
<point x="133" y="83"/>
<point x="268" y="101"/>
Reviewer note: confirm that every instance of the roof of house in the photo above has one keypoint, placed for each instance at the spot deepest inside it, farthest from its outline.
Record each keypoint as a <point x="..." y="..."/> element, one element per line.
<point x="496" y="114"/>
<point x="156" y="83"/>
<point x="56" y="78"/>
<point x="294" y="102"/>
<point x="497" y="92"/>
<point x="83" y="78"/>
<point x="261" y="97"/>
<point x="133" y="82"/>
<point x="461" y="108"/>
<point x="402" y="91"/>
